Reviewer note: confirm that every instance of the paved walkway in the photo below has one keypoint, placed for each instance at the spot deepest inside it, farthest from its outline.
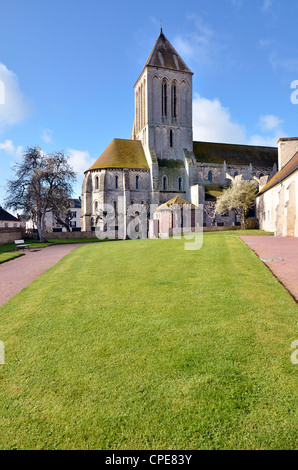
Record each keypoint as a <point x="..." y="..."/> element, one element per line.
<point x="20" y="272"/>
<point x="285" y="248"/>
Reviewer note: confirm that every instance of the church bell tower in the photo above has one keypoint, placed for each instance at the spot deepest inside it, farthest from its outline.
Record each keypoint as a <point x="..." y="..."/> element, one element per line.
<point x="163" y="103"/>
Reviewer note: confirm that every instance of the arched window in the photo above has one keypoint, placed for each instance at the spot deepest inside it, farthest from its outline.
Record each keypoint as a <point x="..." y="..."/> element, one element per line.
<point x="171" y="138"/>
<point x="137" y="181"/>
<point x="96" y="182"/>
<point x="164" y="99"/>
<point x="116" y="182"/>
<point x="95" y="206"/>
<point x="115" y="207"/>
<point x="164" y="183"/>
<point x="235" y="174"/>
<point x="174" y="100"/>
<point x="210" y="176"/>
<point x="180" y="183"/>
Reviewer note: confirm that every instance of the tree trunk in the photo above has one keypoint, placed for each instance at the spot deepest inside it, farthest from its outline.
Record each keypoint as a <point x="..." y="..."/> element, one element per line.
<point x="244" y="223"/>
<point x="40" y="228"/>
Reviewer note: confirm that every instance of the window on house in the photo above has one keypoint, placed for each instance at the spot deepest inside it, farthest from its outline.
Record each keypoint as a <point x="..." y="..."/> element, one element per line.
<point x="116" y="182"/>
<point x="164" y="99"/>
<point x="137" y="182"/>
<point x="115" y="206"/>
<point x="174" y="101"/>
<point x="96" y="182"/>
<point x="180" y="183"/>
<point x="210" y="176"/>
<point x="164" y="183"/>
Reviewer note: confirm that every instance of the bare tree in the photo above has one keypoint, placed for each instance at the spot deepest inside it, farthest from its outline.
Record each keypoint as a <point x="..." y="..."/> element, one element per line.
<point x="209" y="209"/>
<point x="43" y="183"/>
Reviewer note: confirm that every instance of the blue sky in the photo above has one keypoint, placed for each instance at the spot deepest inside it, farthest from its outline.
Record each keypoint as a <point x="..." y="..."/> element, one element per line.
<point x="69" y="67"/>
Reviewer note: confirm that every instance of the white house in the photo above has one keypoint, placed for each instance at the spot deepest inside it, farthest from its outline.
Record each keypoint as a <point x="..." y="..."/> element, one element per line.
<point x="277" y="201"/>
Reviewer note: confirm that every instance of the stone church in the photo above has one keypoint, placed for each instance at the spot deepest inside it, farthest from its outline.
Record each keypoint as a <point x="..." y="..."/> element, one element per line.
<point x="160" y="160"/>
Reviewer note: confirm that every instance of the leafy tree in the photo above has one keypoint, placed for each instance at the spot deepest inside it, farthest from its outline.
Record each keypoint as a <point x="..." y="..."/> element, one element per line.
<point x="43" y="184"/>
<point x="239" y="197"/>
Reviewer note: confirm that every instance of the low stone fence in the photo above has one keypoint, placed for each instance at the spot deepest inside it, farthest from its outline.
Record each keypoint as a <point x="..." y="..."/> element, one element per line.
<point x="222" y="229"/>
<point x="9" y="235"/>
<point x="67" y="235"/>
<point x="252" y="223"/>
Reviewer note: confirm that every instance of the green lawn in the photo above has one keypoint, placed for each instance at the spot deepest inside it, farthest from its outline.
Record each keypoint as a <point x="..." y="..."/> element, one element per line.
<point x="142" y="345"/>
<point x="52" y="241"/>
<point x="8" y="256"/>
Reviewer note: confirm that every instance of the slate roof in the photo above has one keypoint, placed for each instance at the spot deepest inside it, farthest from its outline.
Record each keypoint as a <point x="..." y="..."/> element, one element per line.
<point x="176" y="200"/>
<point x="122" y="153"/>
<point x="75" y="203"/>
<point x="164" y="55"/>
<point x="281" y="175"/>
<point x="7" y="217"/>
<point x="232" y="154"/>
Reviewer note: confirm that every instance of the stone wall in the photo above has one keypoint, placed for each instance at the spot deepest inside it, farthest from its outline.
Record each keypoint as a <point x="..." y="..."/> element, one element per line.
<point x="221" y="229"/>
<point x="67" y="235"/>
<point x="9" y="235"/>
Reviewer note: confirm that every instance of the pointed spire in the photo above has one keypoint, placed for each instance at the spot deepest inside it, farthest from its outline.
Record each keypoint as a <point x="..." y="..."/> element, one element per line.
<point x="164" y="55"/>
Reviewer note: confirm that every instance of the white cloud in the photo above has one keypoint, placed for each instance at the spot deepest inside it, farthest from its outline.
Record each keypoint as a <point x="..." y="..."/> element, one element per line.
<point x="279" y="61"/>
<point x="47" y="135"/>
<point x="8" y="147"/>
<point x="200" y="42"/>
<point x="80" y="160"/>
<point x="263" y="141"/>
<point x="270" y="122"/>
<point x="14" y="107"/>
<point x="212" y="122"/>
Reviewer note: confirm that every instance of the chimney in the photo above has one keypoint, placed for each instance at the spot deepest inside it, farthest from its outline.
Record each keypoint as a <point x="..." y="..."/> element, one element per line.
<point x="287" y="148"/>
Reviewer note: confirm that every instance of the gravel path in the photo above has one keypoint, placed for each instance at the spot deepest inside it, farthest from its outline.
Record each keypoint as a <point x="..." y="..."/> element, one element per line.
<point x="286" y="248"/>
<point x="20" y="272"/>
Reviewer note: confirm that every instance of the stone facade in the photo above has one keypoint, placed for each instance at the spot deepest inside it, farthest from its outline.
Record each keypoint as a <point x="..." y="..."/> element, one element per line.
<point x="166" y="162"/>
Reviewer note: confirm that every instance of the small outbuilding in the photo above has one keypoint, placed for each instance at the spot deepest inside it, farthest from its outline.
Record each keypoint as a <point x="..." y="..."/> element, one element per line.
<point x="175" y="217"/>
